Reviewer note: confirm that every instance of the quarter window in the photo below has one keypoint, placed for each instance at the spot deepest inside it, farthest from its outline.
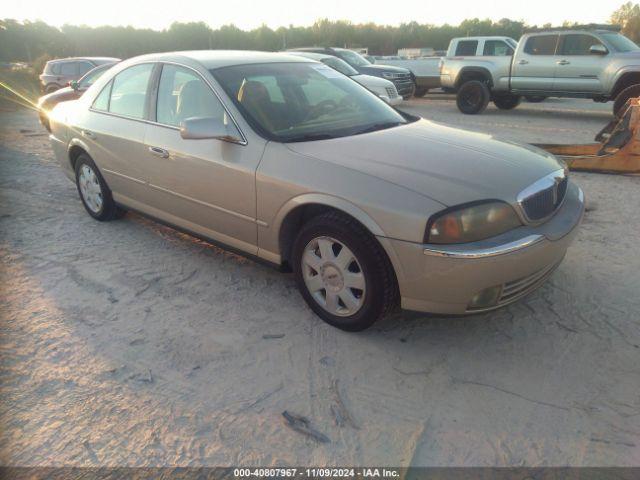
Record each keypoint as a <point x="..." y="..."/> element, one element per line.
<point x="183" y="94"/>
<point x="129" y="91"/>
<point x="541" y="45"/>
<point x="102" y="101"/>
<point x="578" y="44"/>
<point x="496" y="48"/>
<point x="467" y="48"/>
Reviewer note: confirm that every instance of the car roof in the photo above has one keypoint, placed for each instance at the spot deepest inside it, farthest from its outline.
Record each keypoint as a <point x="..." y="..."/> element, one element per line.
<point x="212" y="59"/>
<point x="90" y="59"/>
<point x="311" y="55"/>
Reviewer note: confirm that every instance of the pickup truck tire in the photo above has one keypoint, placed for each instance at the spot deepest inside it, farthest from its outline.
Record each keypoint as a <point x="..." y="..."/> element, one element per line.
<point x="420" y="92"/>
<point x="473" y="97"/>
<point x="535" y="98"/>
<point x="623" y="96"/>
<point x="507" y="102"/>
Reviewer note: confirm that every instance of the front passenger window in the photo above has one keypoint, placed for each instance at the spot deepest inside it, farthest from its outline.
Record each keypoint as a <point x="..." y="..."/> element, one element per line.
<point x="183" y="94"/>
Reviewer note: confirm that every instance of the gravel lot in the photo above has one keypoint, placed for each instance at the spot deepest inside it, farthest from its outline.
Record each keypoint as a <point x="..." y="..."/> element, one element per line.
<point x="126" y="343"/>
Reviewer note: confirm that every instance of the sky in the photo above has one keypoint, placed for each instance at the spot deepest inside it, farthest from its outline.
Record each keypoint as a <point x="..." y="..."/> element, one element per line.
<point x="246" y="14"/>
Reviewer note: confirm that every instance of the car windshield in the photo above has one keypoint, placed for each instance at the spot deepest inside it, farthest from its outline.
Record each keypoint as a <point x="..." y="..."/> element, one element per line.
<point x="620" y="42"/>
<point x="293" y="102"/>
<point x="340" y="65"/>
<point x="93" y="75"/>
<point x="352" y="58"/>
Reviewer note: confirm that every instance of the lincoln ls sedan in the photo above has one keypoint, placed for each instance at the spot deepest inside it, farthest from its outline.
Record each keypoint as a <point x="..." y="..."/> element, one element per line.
<point x="285" y="160"/>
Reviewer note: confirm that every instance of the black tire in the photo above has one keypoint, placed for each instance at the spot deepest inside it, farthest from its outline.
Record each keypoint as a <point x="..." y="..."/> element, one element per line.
<point x="109" y="210"/>
<point x="535" y="98"/>
<point x="381" y="294"/>
<point x="420" y="92"/>
<point x="52" y="87"/>
<point x="507" y="102"/>
<point x="473" y="97"/>
<point x="623" y="96"/>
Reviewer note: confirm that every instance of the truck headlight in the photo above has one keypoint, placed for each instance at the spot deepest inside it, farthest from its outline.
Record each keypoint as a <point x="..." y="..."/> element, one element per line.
<point x="471" y="223"/>
<point x="387" y="75"/>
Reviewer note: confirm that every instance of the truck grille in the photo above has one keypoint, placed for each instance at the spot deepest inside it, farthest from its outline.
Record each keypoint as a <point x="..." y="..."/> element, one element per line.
<point x="542" y="199"/>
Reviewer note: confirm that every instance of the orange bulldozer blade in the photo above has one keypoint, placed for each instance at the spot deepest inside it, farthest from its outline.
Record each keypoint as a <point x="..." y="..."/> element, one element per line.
<point x="617" y="150"/>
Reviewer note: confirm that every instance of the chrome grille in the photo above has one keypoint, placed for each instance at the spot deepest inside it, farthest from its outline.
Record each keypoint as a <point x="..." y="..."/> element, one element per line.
<point x="542" y="199"/>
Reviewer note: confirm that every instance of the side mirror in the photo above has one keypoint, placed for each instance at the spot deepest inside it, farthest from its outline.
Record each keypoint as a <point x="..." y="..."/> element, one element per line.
<point x="200" y="128"/>
<point x="74" y="84"/>
<point x="598" y="50"/>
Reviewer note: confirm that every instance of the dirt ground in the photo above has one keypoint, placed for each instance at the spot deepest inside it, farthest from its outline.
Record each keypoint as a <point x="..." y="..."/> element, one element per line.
<point x="126" y="343"/>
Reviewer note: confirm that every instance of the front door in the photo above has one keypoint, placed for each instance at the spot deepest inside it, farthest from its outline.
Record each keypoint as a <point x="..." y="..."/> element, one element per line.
<point x="206" y="186"/>
<point x="534" y="67"/>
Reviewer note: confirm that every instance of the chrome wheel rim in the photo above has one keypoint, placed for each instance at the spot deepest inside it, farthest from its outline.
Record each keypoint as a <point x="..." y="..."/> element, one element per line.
<point x="333" y="276"/>
<point x="90" y="189"/>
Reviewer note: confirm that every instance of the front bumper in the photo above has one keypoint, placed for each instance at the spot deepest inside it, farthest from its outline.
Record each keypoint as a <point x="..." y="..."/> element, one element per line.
<point x="445" y="278"/>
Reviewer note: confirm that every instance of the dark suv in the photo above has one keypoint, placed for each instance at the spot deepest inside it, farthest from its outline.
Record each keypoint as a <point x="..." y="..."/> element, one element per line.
<point x="401" y="77"/>
<point x="58" y="73"/>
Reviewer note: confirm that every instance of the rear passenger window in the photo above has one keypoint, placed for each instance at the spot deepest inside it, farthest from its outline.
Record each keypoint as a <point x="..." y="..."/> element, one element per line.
<point x="129" y="91"/>
<point x="69" y="68"/>
<point x="467" y="48"/>
<point x="541" y="45"/>
<point x="578" y="44"/>
<point x="496" y="48"/>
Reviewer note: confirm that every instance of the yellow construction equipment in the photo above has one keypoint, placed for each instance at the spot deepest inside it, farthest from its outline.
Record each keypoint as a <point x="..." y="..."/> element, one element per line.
<point x="617" y="150"/>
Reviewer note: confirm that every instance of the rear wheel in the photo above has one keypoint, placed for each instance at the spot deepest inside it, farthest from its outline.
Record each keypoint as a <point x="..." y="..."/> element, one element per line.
<point x="52" y="87"/>
<point x="629" y="92"/>
<point x="93" y="190"/>
<point x="342" y="272"/>
<point x="507" y="102"/>
<point x="473" y="97"/>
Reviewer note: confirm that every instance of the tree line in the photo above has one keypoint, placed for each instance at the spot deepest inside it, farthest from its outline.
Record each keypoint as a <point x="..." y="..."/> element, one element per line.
<point x="31" y="41"/>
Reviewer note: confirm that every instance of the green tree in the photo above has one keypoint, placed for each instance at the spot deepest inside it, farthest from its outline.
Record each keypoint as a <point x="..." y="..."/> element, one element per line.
<point x="628" y="16"/>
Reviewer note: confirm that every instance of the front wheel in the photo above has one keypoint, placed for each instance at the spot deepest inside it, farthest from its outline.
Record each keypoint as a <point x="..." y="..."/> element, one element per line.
<point x="473" y="97"/>
<point x="420" y="92"/>
<point x="93" y="190"/>
<point x="507" y="102"/>
<point x="622" y="98"/>
<point x="342" y="272"/>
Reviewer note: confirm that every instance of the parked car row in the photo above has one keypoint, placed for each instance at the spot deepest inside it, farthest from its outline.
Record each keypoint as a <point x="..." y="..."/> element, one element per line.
<point x="58" y="73"/>
<point x="282" y="158"/>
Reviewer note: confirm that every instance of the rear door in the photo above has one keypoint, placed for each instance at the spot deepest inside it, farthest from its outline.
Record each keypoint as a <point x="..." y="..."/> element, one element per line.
<point x="579" y="70"/>
<point x="114" y="130"/>
<point x="535" y="65"/>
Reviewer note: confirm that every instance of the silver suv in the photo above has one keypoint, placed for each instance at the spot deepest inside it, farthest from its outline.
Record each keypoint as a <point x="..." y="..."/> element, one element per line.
<point x="58" y="73"/>
<point x="597" y="63"/>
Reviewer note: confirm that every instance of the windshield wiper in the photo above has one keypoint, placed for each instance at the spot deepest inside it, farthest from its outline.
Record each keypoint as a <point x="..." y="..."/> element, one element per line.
<point x="310" y="137"/>
<point x="378" y="126"/>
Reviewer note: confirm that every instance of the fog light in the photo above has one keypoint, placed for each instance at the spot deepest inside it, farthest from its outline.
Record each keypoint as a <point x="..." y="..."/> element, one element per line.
<point x="485" y="298"/>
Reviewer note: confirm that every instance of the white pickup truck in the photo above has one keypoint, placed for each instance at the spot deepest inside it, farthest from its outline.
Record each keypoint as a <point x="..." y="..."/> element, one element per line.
<point x="594" y="62"/>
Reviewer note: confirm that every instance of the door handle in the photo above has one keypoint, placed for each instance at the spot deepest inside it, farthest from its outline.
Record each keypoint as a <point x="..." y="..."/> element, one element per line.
<point x="88" y="134"/>
<point x="563" y="62"/>
<point x="159" y="152"/>
<point x="523" y="62"/>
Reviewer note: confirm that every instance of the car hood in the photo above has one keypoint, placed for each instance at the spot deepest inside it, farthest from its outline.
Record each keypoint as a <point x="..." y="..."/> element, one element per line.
<point x="378" y="69"/>
<point x="448" y="165"/>
<point x="370" y="81"/>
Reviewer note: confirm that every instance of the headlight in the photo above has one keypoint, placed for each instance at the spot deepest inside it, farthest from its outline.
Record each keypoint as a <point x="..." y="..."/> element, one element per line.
<point x="387" y="75"/>
<point x="471" y="223"/>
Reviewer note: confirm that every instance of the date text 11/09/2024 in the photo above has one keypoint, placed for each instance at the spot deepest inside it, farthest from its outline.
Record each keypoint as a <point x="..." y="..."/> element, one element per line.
<point x="317" y="472"/>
